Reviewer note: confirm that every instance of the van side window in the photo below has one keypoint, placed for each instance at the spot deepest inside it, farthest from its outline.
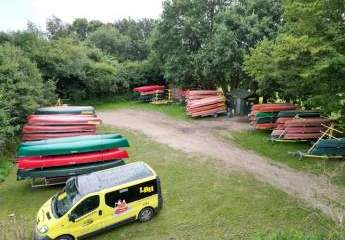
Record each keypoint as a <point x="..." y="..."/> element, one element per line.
<point x="131" y="194"/>
<point x="86" y="206"/>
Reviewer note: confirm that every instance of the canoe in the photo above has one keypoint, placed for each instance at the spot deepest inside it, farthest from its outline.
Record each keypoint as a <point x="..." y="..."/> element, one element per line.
<point x="265" y="114"/>
<point x="88" y="110"/>
<point x="273" y="107"/>
<point x="209" y="112"/>
<point x="73" y="159"/>
<point x="325" y="143"/>
<point x="328" y="151"/>
<point x="159" y="92"/>
<point x="202" y="92"/>
<point x="72" y="147"/>
<point x="72" y="139"/>
<point x="67" y="171"/>
<point x="306" y="122"/>
<point x="148" y="88"/>
<point x="265" y="126"/>
<point x="302" y="136"/>
<point x="293" y="113"/>
<point x="58" y="129"/>
<point x="205" y="101"/>
<point x="304" y="129"/>
<point x="62" y="119"/>
<point x="260" y="120"/>
<point x="44" y="136"/>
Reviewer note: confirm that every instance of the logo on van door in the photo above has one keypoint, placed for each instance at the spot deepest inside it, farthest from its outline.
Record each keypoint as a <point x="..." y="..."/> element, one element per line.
<point x="146" y="189"/>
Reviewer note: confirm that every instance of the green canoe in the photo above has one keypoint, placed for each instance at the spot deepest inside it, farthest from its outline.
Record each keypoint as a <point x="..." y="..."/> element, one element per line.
<point x="71" y="147"/>
<point x="67" y="171"/>
<point x="88" y="110"/>
<point x="266" y="114"/>
<point x="265" y="120"/>
<point x="71" y="139"/>
<point x="299" y="113"/>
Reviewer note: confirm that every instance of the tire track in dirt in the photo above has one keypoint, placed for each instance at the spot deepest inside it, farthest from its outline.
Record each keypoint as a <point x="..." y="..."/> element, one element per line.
<point x="196" y="137"/>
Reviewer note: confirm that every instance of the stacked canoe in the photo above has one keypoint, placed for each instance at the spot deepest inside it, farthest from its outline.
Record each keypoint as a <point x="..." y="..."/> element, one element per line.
<point x="149" y="92"/>
<point x="205" y="103"/>
<point x="264" y="116"/>
<point x="70" y="156"/>
<point x="56" y="122"/>
<point x="284" y="121"/>
<point x="329" y="147"/>
<point x="301" y="128"/>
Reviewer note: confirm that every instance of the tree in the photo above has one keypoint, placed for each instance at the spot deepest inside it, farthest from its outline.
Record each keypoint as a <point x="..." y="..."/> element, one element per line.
<point x="56" y="28"/>
<point x="111" y="41"/>
<point x="236" y="30"/>
<point x="80" y="26"/>
<point x="202" y="43"/>
<point x="184" y="30"/>
<point x="307" y="59"/>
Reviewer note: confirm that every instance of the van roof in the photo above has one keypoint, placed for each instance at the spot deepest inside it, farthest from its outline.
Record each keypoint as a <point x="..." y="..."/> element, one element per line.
<point x="112" y="177"/>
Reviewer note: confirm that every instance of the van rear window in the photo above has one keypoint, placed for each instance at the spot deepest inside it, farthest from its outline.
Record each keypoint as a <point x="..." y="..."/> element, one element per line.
<point x="131" y="194"/>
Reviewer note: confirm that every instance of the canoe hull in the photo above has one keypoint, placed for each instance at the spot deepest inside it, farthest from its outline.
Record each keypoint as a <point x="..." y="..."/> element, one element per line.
<point x="67" y="171"/>
<point x="71" y="148"/>
<point x="74" y="159"/>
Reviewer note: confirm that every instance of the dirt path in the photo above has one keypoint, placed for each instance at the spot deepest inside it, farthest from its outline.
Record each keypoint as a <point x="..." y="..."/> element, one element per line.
<point x="196" y="137"/>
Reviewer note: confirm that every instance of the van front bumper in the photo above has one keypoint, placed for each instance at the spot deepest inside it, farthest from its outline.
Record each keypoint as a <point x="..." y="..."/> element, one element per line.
<point x="38" y="236"/>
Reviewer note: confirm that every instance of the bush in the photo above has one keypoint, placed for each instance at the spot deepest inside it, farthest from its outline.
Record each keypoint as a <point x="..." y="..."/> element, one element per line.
<point x="22" y="90"/>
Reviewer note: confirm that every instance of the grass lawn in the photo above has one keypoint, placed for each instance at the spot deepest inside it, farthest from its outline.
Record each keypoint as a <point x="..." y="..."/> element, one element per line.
<point x="279" y="151"/>
<point x="174" y="110"/>
<point x="201" y="201"/>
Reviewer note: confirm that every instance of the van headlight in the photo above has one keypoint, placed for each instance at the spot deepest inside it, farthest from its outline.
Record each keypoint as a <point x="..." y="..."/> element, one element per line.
<point x="42" y="229"/>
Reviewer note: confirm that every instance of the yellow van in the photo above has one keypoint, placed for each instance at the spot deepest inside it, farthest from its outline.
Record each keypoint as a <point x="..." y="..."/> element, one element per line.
<point x="100" y="201"/>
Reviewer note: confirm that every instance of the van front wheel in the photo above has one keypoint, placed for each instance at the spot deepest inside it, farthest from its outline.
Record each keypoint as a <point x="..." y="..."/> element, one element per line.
<point x="146" y="214"/>
<point x="65" y="237"/>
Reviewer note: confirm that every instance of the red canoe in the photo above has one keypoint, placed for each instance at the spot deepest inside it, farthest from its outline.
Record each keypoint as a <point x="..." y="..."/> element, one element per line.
<point x="61" y="119"/>
<point x="307" y="122"/>
<point x="43" y="136"/>
<point x="265" y="126"/>
<point x="149" y="88"/>
<point x="66" y="160"/>
<point x="273" y="107"/>
<point x="302" y="136"/>
<point x="58" y="129"/>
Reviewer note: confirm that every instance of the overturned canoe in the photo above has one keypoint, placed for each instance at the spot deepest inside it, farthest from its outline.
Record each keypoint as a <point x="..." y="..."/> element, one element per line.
<point x="87" y="110"/>
<point x="62" y="119"/>
<point x="67" y="171"/>
<point x="265" y="126"/>
<point x="292" y="113"/>
<point x="307" y="122"/>
<point x="73" y="159"/>
<point x="58" y="129"/>
<point x="302" y="136"/>
<point x="148" y="88"/>
<point x="72" y="147"/>
<point x="265" y="120"/>
<point x="72" y="139"/>
<point x="273" y="107"/>
<point x="45" y="136"/>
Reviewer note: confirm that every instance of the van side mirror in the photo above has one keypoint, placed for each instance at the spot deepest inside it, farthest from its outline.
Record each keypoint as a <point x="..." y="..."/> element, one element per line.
<point x="71" y="217"/>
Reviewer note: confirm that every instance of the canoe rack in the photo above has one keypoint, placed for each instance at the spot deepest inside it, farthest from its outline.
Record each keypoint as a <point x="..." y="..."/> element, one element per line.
<point x="159" y="101"/>
<point x="330" y="130"/>
<point x="46" y="182"/>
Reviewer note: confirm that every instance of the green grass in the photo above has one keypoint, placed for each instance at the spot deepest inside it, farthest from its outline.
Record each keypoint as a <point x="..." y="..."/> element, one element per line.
<point x="174" y="110"/>
<point x="279" y="152"/>
<point x="201" y="201"/>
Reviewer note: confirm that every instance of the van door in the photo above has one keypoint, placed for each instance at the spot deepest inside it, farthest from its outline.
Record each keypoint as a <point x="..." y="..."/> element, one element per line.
<point x="118" y="207"/>
<point x="86" y="216"/>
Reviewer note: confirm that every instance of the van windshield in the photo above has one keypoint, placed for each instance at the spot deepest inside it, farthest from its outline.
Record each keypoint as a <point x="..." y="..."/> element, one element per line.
<point x="64" y="201"/>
